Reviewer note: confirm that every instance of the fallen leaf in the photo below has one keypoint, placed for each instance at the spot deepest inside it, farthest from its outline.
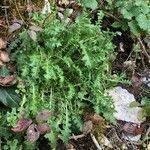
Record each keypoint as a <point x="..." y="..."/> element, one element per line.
<point x="104" y="141"/>
<point x="17" y="21"/>
<point x="132" y="129"/>
<point x="32" y="35"/>
<point x="4" y="57"/>
<point x="22" y="125"/>
<point x="8" y="81"/>
<point x="96" y="119"/>
<point x="9" y="97"/>
<point x="136" y="81"/>
<point x="15" y="26"/>
<point x="36" y="28"/>
<point x="33" y="133"/>
<point x="61" y="16"/>
<point x="43" y="115"/>
<point x="62" y="2"/>
<point x="70" y="146"/>
<point x="3" y="44"/>
<point x="43" y="128"/>
<point x="87" y="127"/>
<point x="129" y="64"/>
<point x="136" y="84"/>
<point x="47" y="7"/>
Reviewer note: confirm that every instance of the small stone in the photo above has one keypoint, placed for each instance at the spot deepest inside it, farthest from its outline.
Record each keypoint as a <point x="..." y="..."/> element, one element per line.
<point x="122" y="100"/>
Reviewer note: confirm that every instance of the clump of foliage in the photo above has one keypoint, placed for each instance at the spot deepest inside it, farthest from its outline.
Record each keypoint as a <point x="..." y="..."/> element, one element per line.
<point x="66" y="70"/>
<point x="130" y="14"/>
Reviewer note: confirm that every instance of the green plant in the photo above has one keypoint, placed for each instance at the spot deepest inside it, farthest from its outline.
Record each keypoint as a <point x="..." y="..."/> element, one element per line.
<point x="8" y="96"/>
<point x="66" y="71"/>
<point x="135" y="15"/>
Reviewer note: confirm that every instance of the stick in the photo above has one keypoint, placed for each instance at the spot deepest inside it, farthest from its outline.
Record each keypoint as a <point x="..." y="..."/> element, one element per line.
<point x="6" y="16"/>
<point x="75" y="137"/>
<point x="95" y="142"/>
<point x="144" y="49"/>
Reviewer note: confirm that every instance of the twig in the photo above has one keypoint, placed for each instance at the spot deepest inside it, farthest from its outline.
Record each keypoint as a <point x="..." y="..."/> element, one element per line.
<point x="112" y="16"/>
<point x="143" y="48"/>
<point x="6" y="16"/>
<point x="4" y="7"/>
<point x="3" y="25"/>
<point x="142" y="60"/>
<point x="75" y="137"/>
<point x="19" y="13"/>
<point x="95" y="142"/>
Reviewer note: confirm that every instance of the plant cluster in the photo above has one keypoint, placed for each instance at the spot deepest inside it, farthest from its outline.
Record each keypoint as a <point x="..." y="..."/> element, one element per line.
<point x="66" y="70"/>
<point x="135" y="15"/>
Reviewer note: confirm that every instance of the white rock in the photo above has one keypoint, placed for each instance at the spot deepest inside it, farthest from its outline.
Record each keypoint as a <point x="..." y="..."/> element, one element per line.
<point x="122" y="99"/>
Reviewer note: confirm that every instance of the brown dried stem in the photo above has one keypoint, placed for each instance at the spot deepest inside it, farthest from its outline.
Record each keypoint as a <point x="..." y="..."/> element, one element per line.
<point x="143" y="49"/>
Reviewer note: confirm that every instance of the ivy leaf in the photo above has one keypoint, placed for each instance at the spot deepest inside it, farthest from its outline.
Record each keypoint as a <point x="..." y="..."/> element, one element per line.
<point x="126" y="14"/>
<point x="9" y="97"/>
<point x="143" y="22"/>
<point x="90" y="4"/>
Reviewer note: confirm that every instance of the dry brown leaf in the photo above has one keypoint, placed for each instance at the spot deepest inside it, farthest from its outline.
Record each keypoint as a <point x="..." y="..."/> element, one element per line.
<point x="105" y="141"/>
<point x="15" y="26"/>
<point x="32" y="35"/>
<point x="36" y="28"/>
<point x="70" y="146"/>
<point x="33" y="133"/>
<point x="43" y="115"/>
<point x="62" y="2"/>
<point x="22" y="125"/>
<point x="136" y="81"/>
<point x="17" y="21"/>
<point x="87" y="127"/>
<point x="43" y="128"/>
<point x="4" y="57"/>
<point x="136" y="84"/>
<point x="96" y="119"/>
<point x="3" y="44"/>
<point x="132" y="129"/>
<point x="129" y="64"/>
<point x="8" y="81"/>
